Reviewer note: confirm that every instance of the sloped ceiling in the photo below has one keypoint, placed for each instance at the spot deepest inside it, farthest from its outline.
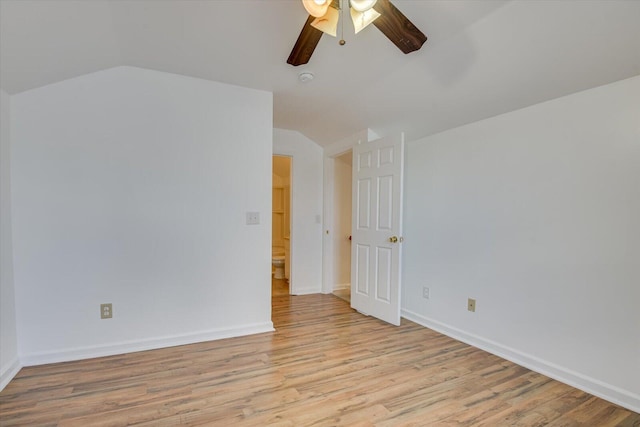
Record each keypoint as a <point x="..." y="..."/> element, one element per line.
<point x="482" y="58"/>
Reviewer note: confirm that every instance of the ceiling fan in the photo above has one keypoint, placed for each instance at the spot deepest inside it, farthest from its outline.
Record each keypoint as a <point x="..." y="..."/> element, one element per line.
<point x="324" y="16"/>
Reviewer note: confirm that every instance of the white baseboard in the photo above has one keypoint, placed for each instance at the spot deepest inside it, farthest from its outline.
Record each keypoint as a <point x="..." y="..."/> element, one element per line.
<point x="590" y="385"/>
<point x="66" y="355"/>
<point x="339" y="287"/>
<point x="305" y="291"/>
<point x="9" y="371"/>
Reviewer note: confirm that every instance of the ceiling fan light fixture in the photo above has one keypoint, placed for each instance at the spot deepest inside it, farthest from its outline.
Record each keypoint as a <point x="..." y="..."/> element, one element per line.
<point x="328" y="23"/>
<point x="362" y="19"/>
<point x="362" y="5"/>
<point x="316" y="8"/>
<point x="388" y="19"/>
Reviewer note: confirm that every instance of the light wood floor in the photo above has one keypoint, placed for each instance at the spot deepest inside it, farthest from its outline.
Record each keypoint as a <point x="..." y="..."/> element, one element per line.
<point x="326" y="365"/>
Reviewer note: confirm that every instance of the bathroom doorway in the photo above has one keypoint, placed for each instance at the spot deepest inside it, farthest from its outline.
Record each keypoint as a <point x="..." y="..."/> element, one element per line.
<point x="281" y="224"/>
<point x="342" y="225"/>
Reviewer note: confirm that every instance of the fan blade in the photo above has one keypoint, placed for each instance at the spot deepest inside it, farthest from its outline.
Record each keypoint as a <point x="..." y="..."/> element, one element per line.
<point x="398" y="28"/>
<point x="305" y="45"/>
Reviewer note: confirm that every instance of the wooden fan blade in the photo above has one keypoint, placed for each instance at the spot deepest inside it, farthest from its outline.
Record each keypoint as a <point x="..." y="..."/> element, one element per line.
<point x="305" y="45"/>
<point x="398" y="28"/>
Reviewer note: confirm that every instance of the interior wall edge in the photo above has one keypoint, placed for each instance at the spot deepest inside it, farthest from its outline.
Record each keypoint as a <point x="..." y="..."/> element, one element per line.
<point x="8" y="372"/>
<point x="9" y="359"/>
<point x="306" y="209"/>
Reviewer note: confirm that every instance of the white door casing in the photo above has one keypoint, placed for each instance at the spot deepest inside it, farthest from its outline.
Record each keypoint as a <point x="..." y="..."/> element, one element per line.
<point x="377" y="221"/>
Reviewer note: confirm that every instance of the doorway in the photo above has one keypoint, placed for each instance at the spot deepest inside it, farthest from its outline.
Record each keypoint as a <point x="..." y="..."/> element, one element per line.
<point x="341" y="241"/>
<point x="281" y="223"/>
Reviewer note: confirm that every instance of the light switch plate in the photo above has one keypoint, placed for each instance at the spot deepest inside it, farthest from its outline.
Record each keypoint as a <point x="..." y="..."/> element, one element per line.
<point x="253" y="218"/>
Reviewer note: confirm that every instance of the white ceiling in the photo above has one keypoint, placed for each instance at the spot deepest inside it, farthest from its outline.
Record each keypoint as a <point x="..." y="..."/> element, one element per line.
<point x="482" y="58"/>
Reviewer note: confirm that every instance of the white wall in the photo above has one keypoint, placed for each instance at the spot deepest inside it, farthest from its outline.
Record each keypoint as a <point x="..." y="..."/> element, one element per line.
<point x="535" y="213"/>
<point x="306" y="209"/>
<point x="122" y="195"/>
<point x="9" y="362"/>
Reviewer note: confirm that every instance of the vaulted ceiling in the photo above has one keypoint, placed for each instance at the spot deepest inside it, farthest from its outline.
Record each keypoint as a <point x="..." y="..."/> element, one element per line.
<point x="482" y="58"/>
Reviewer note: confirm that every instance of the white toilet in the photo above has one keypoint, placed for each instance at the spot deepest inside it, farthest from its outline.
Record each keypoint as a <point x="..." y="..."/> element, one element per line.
<point x="278" y="263"/>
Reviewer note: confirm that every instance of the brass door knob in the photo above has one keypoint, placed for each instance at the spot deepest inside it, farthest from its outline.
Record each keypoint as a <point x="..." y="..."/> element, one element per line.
<point x="393" y="239"/>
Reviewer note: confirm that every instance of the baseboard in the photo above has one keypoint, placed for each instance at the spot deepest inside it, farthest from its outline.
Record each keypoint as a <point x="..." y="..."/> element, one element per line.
<point x="67" y="355"/>
<point x="9" y="371"/>
<point x="305" y="291"/>
<point x="590" y="385"/>
<point x="341" y="286"/>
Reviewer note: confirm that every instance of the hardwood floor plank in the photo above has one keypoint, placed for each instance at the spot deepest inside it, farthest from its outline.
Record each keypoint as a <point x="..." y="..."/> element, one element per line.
<point x="326" y="365"/>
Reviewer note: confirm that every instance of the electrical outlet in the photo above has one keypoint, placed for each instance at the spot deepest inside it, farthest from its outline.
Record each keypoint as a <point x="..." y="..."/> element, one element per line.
<point x="471" y="305"/>
<point x="425" y="292"/>
<point x="106" y="311"/>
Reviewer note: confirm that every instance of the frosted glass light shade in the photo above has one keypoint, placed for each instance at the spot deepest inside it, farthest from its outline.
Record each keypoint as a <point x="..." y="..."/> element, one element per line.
<point x="328" y="23"/>
<point x="316" y="8"/>
<point x="362" y="19"/>
<point x="362" y="5"/>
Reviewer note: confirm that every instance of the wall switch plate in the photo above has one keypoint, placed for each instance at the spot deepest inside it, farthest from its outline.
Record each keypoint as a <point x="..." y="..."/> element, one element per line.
<point x="253" y="218"/>
<point x="471" y="305"/>
<point x="106" y="311"/>
<point x="425" y="292"/>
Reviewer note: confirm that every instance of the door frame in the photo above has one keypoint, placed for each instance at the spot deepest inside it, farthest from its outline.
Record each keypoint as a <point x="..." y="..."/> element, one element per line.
<point x="329" y="227"/>
<point x="291" y="160"/>
<point x="291" y="281"/>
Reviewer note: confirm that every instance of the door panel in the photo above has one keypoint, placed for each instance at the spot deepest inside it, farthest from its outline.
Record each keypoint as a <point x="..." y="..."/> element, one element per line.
<point x="377" y="201"/>
<point x="385" y="204"/>
<point x="383" y="275"/>
<point x="364" y="204"/>
<point x="362" y="270"/>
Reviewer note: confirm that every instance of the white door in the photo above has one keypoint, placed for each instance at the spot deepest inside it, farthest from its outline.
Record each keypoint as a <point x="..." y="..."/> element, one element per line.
<point x="377" y="228"/>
